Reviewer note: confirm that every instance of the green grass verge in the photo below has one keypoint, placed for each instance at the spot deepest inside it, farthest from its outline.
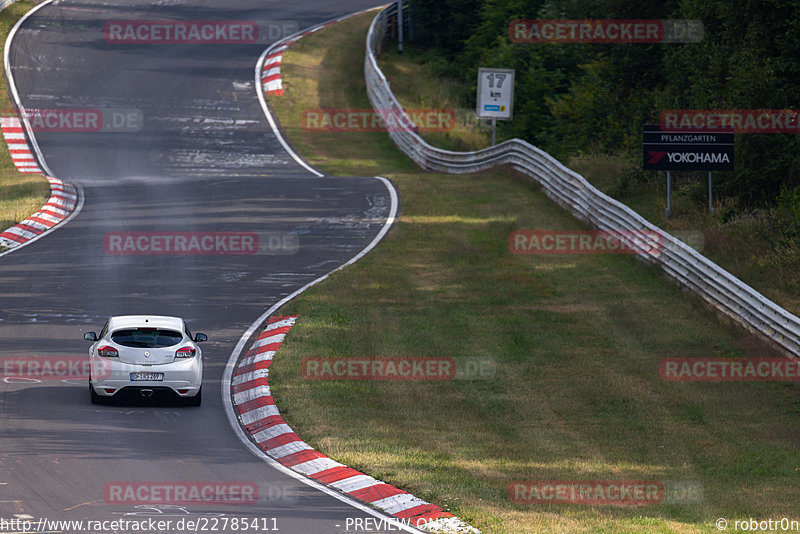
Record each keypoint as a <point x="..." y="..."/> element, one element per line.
<point x="417" y="86"/>
<point x="20" y="194"/>
<point x="576" y="341"/>
<point x="746" y="243"/>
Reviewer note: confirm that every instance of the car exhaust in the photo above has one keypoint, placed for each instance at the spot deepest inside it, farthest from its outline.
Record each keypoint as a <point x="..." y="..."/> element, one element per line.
<point x="146" y="393"/>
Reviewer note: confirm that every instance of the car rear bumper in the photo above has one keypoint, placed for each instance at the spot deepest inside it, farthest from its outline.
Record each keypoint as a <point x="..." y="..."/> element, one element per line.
<point x="184" y="378"/>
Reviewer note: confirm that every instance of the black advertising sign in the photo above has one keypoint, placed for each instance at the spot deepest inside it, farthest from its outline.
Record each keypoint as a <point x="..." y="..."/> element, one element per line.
<point x="687" y="150"/>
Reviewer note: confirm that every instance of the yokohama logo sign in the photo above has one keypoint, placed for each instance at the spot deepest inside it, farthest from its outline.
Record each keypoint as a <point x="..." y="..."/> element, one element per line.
<point x="691" y="157"/>
<point x="669" y="150"/>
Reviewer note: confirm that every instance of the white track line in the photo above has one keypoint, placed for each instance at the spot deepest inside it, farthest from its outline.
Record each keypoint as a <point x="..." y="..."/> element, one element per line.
<point x="226" y="380"/>
<point x="78" y="207"/>
<point x="259" y="86"/>
<point x="240" y="347"/>
<point x="13" y="88"/>
<point x="263" y="101"/>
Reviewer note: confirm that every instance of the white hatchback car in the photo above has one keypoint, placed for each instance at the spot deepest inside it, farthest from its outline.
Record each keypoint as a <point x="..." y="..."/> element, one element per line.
<point x="145" y="354"/>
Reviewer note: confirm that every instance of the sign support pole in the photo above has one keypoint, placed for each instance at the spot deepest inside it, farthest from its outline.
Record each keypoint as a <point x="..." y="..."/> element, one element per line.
<point x="710" y="205"/>
<point x="669" y="196"/>
<point x="494" y="130"/>
<point x="400" y="26"/>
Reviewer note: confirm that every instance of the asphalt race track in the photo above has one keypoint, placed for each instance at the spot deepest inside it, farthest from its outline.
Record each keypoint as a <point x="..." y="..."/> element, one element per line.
<point x="202" y="159"/>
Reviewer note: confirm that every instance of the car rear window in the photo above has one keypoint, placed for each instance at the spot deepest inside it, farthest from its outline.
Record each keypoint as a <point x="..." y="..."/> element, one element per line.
<point x="149" y="338"/>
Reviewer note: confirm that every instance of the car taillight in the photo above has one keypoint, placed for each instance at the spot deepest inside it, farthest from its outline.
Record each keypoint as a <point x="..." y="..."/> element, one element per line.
<point x="108" y="352"/>
<point x="185" y="352"/>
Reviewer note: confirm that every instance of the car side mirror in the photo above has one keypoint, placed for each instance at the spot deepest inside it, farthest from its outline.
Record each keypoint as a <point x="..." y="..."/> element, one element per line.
<point x="90" y="336"/>
<point x="199" y="337"/>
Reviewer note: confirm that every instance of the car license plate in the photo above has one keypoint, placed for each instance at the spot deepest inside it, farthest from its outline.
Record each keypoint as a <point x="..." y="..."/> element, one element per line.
<point x="137" y="377"/>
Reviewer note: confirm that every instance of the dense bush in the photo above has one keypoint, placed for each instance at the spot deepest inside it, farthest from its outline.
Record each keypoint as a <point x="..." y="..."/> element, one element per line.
<point x="574" y="98"/>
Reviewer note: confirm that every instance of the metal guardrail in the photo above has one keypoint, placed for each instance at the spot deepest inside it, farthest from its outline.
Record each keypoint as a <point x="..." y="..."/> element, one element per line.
<point x="720" y="289"/>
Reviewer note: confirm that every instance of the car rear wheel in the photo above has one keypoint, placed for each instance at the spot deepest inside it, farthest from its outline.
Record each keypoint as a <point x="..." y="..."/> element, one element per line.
<point x="96" y="399"/>
<point x="197" y="399"/>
